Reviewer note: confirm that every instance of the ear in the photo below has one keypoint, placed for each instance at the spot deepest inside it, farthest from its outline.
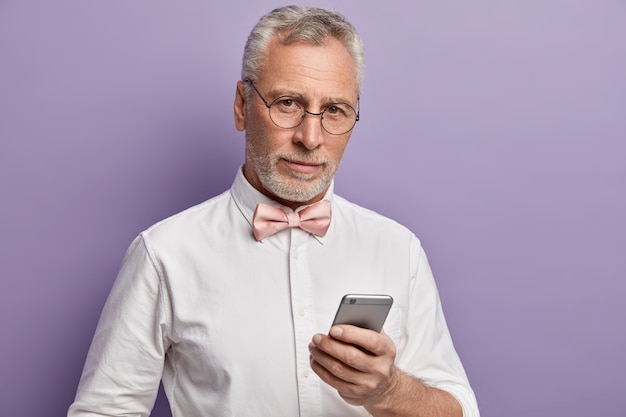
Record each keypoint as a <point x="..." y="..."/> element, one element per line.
<point x="240" y="107"/>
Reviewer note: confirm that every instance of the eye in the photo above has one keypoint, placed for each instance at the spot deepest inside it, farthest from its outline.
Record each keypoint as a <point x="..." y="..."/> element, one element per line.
<point x="286" y="104"/>
<point x="336" y="110"/>
<point x="333" y="109"/>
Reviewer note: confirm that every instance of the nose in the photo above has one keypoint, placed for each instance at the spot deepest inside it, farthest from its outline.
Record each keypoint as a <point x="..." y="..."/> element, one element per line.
<point x="310" y="132"/>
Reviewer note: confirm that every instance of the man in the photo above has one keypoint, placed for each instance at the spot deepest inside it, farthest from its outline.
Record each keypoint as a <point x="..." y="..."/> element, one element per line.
<point x="230" y="307"/>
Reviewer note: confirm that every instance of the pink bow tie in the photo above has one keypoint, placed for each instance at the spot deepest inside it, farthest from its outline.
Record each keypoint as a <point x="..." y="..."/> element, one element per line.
<point x="268" y="220"/>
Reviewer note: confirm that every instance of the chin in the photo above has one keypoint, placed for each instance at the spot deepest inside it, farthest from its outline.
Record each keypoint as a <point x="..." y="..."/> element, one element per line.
<point x="296" y="191"/>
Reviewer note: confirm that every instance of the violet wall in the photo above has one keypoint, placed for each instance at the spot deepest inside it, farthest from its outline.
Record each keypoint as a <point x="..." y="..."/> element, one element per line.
<point x="494" y="129"/>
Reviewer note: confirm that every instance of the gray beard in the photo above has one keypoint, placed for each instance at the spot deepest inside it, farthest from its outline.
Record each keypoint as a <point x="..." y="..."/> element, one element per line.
<point x="299" y="188"/>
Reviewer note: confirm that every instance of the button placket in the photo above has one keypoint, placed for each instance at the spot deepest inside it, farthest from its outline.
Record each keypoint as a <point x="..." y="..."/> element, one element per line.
<point x="304" y="323"/>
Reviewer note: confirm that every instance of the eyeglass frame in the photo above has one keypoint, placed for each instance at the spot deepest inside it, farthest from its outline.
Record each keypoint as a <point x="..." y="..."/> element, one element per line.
<point x="321" y="114"/>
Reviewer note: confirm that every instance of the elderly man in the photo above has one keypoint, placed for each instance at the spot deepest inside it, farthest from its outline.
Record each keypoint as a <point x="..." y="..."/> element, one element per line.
<point x="229" y="302"/>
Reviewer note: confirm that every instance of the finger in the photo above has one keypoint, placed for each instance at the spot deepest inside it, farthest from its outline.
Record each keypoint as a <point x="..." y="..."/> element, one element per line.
<point x="346" y="354"/>
<point x="329" y="355"/>
<point x="350" y="392"/>
<point x="378" y="344"/>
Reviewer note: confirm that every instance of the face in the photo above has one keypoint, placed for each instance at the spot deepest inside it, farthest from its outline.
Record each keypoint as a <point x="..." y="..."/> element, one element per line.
<point x="296" y="166"/>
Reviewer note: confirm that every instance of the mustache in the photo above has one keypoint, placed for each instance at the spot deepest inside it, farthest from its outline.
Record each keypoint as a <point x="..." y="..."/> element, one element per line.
<point x="305" y="156"/>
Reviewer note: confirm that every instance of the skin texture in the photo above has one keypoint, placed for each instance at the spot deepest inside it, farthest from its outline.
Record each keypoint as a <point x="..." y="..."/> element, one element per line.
<point x="295" y="167"/>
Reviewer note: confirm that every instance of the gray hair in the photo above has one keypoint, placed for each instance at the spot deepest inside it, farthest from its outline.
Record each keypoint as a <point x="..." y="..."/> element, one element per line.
<point x="301" y="24"/>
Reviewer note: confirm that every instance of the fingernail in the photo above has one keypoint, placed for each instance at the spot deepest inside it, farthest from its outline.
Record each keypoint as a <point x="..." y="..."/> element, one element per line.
<point x="317" y="339"/>
<point x="336" y="331"/>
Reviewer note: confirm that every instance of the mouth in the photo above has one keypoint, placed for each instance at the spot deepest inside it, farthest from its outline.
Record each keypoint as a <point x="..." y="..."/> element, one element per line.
<point x="303" y="167"/>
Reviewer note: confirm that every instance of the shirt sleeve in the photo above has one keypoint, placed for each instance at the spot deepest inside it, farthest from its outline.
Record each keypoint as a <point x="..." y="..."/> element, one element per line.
<point x="126" y="358"/>
<point x="430" y="353"/>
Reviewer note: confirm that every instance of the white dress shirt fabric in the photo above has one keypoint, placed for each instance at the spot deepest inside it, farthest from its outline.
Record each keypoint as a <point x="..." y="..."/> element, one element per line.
<point x="225" y="321"/>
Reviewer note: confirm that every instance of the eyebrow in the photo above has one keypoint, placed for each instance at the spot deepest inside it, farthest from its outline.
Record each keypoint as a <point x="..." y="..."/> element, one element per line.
<point x="277" y="93"/>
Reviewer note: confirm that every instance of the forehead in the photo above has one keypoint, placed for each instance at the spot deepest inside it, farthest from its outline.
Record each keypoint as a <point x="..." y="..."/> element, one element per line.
<point x="325" y="70"/>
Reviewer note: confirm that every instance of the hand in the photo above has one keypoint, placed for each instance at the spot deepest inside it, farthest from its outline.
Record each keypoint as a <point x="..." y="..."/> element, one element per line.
<point x="358" y="363"/>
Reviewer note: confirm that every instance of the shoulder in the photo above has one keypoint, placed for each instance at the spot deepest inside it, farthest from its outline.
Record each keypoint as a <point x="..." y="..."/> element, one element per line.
<point x="189" y="222"/>
<point x="354" y="216"/>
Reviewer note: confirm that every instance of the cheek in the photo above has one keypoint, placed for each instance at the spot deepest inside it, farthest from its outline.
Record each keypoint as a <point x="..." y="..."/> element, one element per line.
<point x="256" y="130"/>
<point x="268" y="139"/>
<point x="337" y="149"/>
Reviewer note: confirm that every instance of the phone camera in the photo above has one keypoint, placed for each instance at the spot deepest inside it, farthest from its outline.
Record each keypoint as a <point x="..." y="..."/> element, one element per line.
<point x="353" y="301"/>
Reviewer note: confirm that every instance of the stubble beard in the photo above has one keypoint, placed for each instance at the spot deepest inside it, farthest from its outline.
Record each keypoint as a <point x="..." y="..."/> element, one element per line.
<point x="295" y="186"/>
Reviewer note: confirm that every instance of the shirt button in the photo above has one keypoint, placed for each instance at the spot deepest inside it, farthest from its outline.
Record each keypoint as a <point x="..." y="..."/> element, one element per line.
<point x="295" y="256"/>
<point x="302" y="312"/>
<point x="306" y="373"/>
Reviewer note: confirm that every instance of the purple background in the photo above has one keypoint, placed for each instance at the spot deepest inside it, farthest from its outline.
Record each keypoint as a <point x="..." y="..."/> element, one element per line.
<point x="493" y="129"/>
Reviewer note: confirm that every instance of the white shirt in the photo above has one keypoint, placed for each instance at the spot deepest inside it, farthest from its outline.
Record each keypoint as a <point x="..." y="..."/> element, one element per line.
<point x="225" y="321"/>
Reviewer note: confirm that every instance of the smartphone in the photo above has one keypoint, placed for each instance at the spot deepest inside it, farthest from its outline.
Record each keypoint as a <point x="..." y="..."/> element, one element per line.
<point x="364" y="310"/>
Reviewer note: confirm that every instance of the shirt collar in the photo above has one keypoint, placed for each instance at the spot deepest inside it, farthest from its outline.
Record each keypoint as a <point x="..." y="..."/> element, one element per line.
<point x="247" y="197"/>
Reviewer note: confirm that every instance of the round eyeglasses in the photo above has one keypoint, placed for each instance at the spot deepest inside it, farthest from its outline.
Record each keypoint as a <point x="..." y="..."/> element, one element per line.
<point x="288" y="112"/>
